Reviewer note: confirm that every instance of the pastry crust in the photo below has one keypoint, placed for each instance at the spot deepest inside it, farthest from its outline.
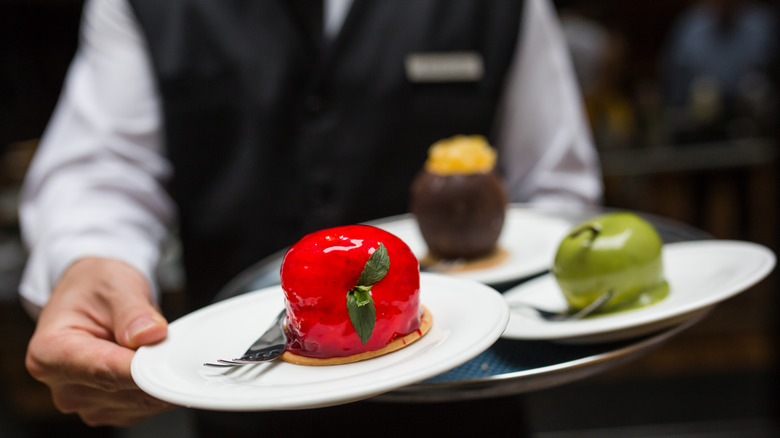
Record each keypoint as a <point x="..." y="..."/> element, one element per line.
<point x="435" y="264"/>
<point x="426" y="321"/>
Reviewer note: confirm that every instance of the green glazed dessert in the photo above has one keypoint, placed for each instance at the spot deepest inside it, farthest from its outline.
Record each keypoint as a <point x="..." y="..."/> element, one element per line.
<point x="618" y="252"/>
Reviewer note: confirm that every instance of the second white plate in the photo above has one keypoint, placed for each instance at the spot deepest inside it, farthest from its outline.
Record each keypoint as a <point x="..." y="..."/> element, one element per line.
<point x="700" y="275"/>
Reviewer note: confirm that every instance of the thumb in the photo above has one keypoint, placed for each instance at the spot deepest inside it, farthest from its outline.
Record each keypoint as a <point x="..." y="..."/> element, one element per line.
<point x="136" y="320"/>
<point x="142" y="325"/>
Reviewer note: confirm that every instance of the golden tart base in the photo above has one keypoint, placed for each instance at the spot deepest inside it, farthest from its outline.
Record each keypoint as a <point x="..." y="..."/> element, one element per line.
<point x="426" y="321"/>
<point x="435" y="264"/>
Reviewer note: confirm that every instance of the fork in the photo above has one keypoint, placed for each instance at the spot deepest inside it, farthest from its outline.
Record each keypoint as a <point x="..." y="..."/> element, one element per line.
<point x="267" y="347"/>
<point x="549" y="315"/>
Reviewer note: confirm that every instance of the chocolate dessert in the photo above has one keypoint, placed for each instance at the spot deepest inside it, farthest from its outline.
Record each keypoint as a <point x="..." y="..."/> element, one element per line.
<point x="459" y="200"/>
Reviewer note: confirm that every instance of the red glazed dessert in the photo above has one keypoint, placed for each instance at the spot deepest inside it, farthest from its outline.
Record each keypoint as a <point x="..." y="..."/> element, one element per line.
<point x="350" y="292"/>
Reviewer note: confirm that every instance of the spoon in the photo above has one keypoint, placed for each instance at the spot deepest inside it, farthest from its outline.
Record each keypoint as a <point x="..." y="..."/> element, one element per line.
<point x="550" y="315"/>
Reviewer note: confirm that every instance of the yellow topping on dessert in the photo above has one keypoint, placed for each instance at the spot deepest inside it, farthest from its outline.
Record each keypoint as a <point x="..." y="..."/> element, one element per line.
<point x="463" y="154"/>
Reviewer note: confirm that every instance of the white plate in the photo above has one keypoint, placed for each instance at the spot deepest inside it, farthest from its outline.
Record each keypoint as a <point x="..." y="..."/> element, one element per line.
<point x="468" y="317"/>
<point x="530" y="237"/>
<point x="700" y="275"/>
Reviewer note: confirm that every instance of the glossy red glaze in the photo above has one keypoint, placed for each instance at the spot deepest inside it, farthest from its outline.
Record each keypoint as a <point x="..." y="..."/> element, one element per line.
<point x="319" y="270"/>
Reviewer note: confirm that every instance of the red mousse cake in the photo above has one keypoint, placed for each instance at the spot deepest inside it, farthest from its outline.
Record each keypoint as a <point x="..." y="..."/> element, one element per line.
<point x="352" y="293"/>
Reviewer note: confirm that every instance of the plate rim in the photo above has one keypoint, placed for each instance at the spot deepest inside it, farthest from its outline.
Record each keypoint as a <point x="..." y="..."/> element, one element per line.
<point x="489" y="333"/>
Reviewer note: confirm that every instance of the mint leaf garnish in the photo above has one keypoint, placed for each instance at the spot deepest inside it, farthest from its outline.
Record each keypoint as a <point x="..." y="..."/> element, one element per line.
<point x="360" y="305"/>
<point x="362" y="295"/>
<point x="362" y="315"/>
<point x="376" y="267"/>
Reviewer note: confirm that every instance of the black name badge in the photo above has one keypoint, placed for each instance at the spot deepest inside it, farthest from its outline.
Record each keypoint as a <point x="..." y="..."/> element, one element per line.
<point x="444" y="67"/>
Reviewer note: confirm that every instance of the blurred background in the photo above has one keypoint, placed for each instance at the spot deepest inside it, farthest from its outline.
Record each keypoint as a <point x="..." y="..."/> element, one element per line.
<point x="682" y="97"/>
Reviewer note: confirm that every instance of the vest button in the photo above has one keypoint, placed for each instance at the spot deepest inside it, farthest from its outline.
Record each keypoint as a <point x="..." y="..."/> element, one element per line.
<point x="314" y="104"/>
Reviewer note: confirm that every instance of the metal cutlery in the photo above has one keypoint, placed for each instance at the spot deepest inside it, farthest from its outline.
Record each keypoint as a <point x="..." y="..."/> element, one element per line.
<point x="549" y="315"/>
<point x="267" y="347"/>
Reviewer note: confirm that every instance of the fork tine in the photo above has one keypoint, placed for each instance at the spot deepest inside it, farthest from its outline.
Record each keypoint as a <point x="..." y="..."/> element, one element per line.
<point x="234" y="362"/>
<point x="247" y="362"/>
<point x="221" y="365"/>
<point x="231" y="363"/>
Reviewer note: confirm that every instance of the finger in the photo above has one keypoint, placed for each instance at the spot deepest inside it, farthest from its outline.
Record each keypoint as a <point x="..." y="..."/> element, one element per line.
<point x="134" y="318"/>
<point x="76" y="339"/>
<point x="139" y="326"/>
<point x="98" y="408"/>
<point x="113" y="296"/>
<point x="77" y="357"/>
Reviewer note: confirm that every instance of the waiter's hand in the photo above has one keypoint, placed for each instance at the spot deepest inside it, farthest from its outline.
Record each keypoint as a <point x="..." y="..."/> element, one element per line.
<point x="98" y="314"/>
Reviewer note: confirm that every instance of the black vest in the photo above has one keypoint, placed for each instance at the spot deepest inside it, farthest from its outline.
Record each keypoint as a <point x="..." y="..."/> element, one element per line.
<point x="272" y="136"/>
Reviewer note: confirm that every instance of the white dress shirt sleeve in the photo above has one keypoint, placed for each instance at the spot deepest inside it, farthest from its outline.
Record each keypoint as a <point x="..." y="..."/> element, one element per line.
<point x="95" y="186"/>
<point x="545" y="146"/>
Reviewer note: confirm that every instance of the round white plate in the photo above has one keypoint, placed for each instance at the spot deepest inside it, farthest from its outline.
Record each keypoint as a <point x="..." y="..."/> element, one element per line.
<point x="468" y="317"/>
<point x="700" y="275"/>
<point x="530" y="237"/>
